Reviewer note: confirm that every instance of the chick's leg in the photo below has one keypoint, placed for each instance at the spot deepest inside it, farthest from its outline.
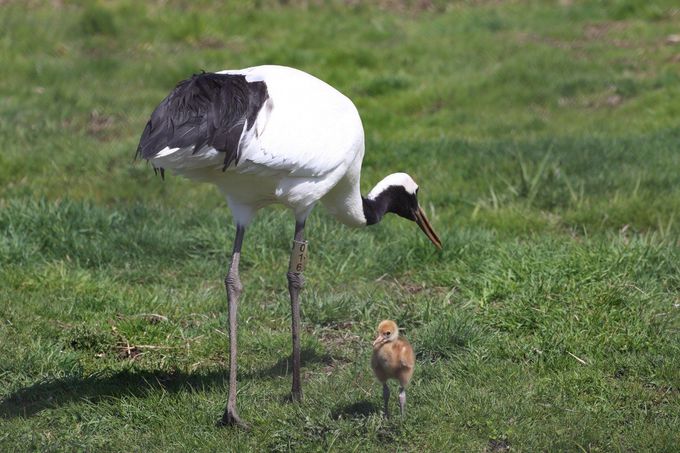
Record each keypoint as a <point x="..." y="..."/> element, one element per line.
<point x="386" y="399"/>
<point x="402" y="401"/>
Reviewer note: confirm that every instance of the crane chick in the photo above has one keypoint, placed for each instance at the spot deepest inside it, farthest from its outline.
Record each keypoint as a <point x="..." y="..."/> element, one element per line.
<point x="392" y="358"/>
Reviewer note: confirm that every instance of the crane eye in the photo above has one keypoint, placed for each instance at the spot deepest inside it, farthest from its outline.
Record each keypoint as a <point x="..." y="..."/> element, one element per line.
<point x="387" y="334"/>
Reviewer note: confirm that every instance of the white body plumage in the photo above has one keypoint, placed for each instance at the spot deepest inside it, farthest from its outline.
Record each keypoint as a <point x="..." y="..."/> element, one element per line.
<point x="307" y="144"/>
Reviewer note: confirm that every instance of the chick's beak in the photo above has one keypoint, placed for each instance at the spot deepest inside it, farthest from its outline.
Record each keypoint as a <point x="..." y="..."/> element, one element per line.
<point x="378" y="341"/>
<point x="424" y="224"/>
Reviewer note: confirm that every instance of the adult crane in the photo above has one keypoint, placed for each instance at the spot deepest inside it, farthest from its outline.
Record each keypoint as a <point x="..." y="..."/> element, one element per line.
<point x="273" y="134"/>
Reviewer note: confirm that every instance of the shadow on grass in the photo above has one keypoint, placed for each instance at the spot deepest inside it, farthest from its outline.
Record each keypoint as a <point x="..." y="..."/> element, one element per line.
<point x="359" y="409"/>
<point x="51" y="394"/>
<point x="284" y="366"/>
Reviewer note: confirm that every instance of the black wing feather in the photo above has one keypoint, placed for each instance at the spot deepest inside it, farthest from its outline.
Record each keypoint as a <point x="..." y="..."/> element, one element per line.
<point x="207" y="109"/>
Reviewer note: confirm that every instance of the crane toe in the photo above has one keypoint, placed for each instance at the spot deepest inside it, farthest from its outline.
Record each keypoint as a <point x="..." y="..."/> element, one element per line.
<point x="231" y="418"/>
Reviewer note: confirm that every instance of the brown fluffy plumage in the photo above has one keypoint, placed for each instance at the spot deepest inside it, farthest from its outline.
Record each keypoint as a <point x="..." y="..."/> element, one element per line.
<point x="393" y="358"/>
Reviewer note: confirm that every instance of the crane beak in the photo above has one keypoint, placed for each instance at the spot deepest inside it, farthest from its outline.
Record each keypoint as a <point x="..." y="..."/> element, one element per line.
<point x="424" y="224"/>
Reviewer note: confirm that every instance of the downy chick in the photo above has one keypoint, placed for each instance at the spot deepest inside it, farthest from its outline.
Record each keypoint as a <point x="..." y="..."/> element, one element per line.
<point x="393" y="358"/>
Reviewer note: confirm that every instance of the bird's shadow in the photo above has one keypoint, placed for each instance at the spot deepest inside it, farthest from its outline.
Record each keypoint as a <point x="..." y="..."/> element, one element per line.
<point x="360" y="409"/>
<point x="284" y="366"/>
<point x="53" y="393"/>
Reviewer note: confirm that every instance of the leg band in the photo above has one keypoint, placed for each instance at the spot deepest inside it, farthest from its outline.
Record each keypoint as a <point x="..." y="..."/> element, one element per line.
<point x="298" y="257"/>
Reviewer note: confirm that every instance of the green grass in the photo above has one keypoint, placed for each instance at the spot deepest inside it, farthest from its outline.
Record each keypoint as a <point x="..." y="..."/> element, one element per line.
<point x="544" y="136"/>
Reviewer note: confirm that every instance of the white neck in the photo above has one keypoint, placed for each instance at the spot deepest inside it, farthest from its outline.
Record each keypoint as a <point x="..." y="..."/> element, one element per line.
<point x="346" y="206"/>
<point x="344" y="201"/>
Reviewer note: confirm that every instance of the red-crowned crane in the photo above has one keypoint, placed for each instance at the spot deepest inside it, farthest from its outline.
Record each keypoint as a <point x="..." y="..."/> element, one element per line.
<point x="272" y="134"/>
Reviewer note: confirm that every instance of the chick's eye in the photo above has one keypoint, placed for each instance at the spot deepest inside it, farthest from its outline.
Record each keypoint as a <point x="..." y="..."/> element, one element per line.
<point x="387" y="334"/>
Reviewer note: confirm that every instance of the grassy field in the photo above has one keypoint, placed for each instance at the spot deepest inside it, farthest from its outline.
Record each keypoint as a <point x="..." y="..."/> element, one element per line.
<point x="544" y="136"/>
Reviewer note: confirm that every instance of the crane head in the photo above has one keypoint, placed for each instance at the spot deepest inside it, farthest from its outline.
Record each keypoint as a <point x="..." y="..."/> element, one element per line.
<point x="387" y="331"/>
<point x="398" y="193"/>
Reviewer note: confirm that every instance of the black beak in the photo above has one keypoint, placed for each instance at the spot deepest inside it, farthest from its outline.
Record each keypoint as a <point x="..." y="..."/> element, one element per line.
<point x="424" y="224"/>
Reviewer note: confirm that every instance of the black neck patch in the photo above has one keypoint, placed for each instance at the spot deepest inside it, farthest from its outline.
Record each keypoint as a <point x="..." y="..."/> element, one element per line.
<point x="393" y="199"/>
<point x="207" y="109"/>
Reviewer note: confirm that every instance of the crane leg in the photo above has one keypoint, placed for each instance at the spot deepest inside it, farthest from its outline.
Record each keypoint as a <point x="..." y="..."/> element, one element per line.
<point x="232" y="282"/>
<point x="295" y="283"/>
<point x="386" y="399"/>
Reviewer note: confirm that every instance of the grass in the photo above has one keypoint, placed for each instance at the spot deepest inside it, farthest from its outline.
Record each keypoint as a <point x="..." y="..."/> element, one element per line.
<point x="543" y="134"/>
